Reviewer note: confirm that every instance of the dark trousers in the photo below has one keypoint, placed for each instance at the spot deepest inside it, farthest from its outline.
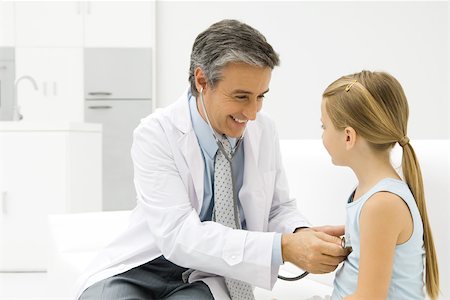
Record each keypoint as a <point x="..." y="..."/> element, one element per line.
<point x="157" y="279"/>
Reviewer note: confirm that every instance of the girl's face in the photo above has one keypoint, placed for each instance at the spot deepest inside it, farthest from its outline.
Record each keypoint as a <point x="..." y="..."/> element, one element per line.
<point x="333" y="139"/>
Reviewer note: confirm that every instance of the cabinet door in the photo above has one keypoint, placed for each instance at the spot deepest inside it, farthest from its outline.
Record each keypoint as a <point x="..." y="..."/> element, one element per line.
<point x="119" y="118"/>
<point x="58" y="73"/>
<point x="119" y="24"/>
<point x="33" y="184"/>
<point x="49" y="24"/>
<point x="118" y="73"/>
<point x="6" y="24"/>
<point x="6" y="89"/>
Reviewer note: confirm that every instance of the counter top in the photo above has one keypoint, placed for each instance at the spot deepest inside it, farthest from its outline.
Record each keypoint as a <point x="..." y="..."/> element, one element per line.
<point x="24" y="126"/>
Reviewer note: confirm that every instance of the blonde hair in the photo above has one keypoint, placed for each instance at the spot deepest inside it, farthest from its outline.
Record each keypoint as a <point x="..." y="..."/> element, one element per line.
<point x="374" y="104"/>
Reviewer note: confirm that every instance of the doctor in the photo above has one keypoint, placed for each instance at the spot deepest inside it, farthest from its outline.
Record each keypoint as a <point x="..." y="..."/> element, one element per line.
<point x="213" y="215"/>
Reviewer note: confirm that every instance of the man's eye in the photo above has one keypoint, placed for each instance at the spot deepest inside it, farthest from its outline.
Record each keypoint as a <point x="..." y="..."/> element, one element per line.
<point x="260" y="98"/>
<point x="241" y="97"/>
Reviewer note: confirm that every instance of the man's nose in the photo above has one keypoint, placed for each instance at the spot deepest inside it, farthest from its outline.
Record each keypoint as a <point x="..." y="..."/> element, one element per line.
<point x="251" y="109"/>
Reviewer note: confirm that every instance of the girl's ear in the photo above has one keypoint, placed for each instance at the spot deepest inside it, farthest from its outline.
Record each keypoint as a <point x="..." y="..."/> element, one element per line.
<point x="200" y="79"/>
<point x="350" y="137"/>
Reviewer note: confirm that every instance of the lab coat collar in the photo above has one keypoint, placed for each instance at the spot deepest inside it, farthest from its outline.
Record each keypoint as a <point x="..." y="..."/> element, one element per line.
<point x="189" y="146"/>
<point x="181" y="117"/>
<point x="202" y="130"/>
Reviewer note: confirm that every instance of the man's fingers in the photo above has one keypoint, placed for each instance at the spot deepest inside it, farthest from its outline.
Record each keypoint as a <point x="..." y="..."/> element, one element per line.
<point x="332" y="245"/>
<point x="329" y="238"/>
<point x="332" y="260"/>
<point x="327" y="264"/>
<point x="331" y="230"/>
<point x="323" y="268"/>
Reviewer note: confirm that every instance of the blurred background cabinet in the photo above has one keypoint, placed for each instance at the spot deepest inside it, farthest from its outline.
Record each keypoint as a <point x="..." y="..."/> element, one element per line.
<point x="117" y="73"/>
<point x="118" y="93"/>
<point x="119" y="118"/>
<point x="84" y="23"/>
<point x="48" y="24"/>
<point x="6" y="24"/>
<point x="74" y="48"/>
<point x="52" y="162"/>
<point x="45" y="168"/>
<point x="49" y="38"/>
<point x="7" y="76"/>
<point x="119" y="24"/>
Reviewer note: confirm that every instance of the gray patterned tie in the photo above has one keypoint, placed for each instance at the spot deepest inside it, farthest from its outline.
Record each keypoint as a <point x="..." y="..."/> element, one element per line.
<point x="226" y="212"/>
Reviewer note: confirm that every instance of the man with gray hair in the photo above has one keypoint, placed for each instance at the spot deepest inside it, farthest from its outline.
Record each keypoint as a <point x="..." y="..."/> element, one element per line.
<point x="213" y="215"/>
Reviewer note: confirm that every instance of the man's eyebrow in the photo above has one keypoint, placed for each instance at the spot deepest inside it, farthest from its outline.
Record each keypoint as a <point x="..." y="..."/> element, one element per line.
<point x="247" y="92"/>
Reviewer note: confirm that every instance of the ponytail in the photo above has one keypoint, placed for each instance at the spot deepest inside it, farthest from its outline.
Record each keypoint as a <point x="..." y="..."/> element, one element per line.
<point x="413" y="177"/>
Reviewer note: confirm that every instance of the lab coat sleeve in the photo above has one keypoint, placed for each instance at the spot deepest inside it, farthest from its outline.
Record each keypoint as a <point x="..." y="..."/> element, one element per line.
<point x="162" y="193"/>
<point x="284" y="215"/>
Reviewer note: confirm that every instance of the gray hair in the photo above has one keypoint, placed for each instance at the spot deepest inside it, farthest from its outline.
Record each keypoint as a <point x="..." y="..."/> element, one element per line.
<point x="229" y="41"/>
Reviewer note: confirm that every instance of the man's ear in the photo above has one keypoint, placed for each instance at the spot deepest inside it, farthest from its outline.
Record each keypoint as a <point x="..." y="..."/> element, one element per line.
<point x="200" y="79"/>
<point x="350" y="137"/>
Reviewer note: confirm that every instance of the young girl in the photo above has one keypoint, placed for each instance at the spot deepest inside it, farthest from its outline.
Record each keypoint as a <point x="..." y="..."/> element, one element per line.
<point x="363" y="116"/>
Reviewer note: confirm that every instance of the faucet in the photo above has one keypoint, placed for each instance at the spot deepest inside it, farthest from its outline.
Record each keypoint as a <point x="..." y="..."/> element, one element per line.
<point x="17" y="116"/>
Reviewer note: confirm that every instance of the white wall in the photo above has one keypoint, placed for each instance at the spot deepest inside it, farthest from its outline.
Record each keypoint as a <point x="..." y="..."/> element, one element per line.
<point x="318" y="42"/>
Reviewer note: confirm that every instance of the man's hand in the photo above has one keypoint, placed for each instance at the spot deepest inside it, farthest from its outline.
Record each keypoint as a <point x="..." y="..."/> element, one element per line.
<point x="314" y="250"/>
<point x="331" y="230"/>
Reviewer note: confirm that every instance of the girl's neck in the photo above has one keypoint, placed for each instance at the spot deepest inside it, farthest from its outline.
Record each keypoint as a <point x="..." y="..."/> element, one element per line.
<point x="370" y="172"/>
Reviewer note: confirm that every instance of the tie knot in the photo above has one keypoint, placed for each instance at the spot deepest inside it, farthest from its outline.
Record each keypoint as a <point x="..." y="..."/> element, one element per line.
<point x="226" y="144"/>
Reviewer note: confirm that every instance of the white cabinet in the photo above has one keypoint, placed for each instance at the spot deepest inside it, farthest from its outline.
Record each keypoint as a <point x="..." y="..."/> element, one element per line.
<point x="118" y="91"/>
<point x="59" y="76"/>
<point x="118" y="73"/>
<point x="6" y="24"/>
<point x="50" y="37"/>
<point x="119" y="118"/>
<point x="44" y="169"/>
<point x="49" y="24"/>
<point x="7" y="76"/>
<point x="119" y="24"/>
<point x="87" y="23"/>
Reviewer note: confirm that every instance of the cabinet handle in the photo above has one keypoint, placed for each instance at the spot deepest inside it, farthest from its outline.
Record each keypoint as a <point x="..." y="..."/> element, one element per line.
<point x="55" y="88"/>
<point x="3" y="68"/>
<point x="3" y="205"/>
<point x="100" y="107"/>
<point x="44" y="88"/>
<point x="100" y="93"/>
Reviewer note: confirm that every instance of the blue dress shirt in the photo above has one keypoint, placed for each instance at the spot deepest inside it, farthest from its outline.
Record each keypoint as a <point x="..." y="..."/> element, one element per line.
<point x="209" y="148"/>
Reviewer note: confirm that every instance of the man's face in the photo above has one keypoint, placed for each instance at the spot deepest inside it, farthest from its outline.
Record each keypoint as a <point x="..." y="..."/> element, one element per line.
<point x="236" y="98"/>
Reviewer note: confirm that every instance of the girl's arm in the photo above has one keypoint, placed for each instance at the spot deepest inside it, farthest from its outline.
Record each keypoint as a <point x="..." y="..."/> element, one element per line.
<point x="385" y="221"/>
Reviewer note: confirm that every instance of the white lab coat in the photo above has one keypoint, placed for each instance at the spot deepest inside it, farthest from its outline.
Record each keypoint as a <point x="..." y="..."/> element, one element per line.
<point x="169" y="178"/>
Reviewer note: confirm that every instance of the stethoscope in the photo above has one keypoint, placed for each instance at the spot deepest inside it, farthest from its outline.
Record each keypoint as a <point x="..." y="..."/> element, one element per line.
<point x="229" y="157"/>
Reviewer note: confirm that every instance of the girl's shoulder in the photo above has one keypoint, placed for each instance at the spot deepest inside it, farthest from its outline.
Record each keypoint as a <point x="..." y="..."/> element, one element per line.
<point x="389" y="197"/>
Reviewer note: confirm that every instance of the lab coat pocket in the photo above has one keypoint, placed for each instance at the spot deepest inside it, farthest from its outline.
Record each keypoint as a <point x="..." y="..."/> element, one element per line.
<point x="233" y="250"/>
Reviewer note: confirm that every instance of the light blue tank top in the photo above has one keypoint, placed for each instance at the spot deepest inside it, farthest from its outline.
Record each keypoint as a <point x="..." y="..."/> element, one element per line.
<point x="408" y="269"/>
